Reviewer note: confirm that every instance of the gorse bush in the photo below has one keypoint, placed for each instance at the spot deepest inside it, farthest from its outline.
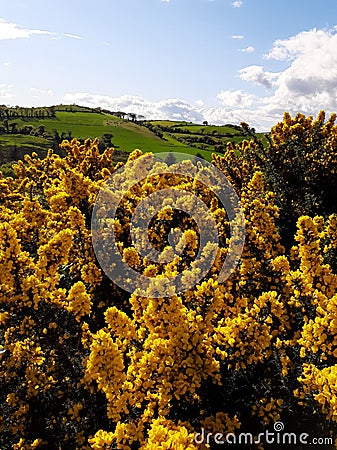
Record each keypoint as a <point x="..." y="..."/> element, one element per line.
<point x="88" y="366"/>
<point x="299" y="165"/>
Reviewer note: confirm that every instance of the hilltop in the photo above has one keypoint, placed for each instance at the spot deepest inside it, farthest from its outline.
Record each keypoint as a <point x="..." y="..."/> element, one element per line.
<point x="24" y="130"/>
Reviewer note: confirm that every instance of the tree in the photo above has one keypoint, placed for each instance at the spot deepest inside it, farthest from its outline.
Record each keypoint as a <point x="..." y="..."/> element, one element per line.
<point x="13" y="127"/>
<point x="105" y="142"/>
<point x="6" y="125"/>
<point x="132" y="117"/>
<point x="52" y="111"/>
<point x="41" y="130"/>
<point x="120" y="114"/>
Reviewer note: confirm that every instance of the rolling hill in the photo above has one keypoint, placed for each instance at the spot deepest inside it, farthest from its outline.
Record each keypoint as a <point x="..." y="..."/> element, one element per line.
<point x="22" y="133"/>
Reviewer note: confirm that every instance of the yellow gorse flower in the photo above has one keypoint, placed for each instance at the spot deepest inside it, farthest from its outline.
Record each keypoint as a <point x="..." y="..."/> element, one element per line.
<point x="90" y="367"/>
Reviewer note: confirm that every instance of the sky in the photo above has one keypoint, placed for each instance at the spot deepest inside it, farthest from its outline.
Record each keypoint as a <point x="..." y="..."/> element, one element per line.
<point x="224" y="61"/>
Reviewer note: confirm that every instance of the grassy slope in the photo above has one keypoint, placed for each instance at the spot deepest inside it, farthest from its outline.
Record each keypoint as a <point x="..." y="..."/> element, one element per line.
<point x="126" y="135"/>
<point x="221" y="134"/>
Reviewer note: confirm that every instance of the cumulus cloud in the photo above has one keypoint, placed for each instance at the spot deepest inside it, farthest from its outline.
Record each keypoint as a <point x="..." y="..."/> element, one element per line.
<point x="259" y="76"/>
<point x="303" y="43"/>
<point x="237" y="36"/>
<point x="308" y="82"/>
<point x="236" y="98"/>
<point x="199" y="102"/>
<point x="174" y="109"/>
<point x="13" y="31"/>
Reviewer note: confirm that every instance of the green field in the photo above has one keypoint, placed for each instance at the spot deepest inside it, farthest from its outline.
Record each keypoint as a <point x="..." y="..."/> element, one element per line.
<point x="127" y="135"/>
<point x="197" y="135"/>
<point x="72" y="121"/>
<point x="14" y="147"/>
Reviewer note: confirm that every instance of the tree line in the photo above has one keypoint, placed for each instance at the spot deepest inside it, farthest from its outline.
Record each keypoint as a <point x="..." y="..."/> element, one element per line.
<point x="23" y="112"/>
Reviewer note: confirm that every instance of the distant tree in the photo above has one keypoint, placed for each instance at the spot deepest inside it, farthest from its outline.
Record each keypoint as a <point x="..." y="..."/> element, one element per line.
<point x="132" y="117"/>
<point x="105" y="142"/>
<point x="51" y="110"/>
<point x="27" y="129"/>
<point x="56" y="141"/>
<point x="13" y="127"/>
<point x="6" y="125"/>
<point x="41" y="130"/>
<point x="57" y="137"/>
<point x="205" y="122"/>
<point x="14" y="153"/>
<point x="120" y="114"/>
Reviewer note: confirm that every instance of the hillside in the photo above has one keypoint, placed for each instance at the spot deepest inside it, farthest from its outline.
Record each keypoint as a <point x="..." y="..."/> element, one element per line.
<point x="24" y="130"/>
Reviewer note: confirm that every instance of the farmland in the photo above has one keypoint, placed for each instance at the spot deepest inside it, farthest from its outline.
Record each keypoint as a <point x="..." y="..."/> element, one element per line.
<point x="28" y="134"/>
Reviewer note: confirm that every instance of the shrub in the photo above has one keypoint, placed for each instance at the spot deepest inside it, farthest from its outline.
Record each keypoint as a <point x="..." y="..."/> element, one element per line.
<point x="87" y="365"/>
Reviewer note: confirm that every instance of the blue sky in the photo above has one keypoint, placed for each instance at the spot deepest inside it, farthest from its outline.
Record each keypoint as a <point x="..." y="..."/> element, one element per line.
<point x="217" y="60"/>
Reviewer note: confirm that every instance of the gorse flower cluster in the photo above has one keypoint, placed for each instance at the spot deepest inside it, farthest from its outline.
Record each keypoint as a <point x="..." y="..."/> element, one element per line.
<point x="88" y="366"/>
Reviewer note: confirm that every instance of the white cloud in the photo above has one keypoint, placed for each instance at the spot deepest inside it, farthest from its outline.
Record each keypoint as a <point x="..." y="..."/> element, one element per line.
<point x="236" y="106"/>
<point x="311" y="77"/>
<point x="72" y="36"/>
<point x="165" y="109"/>
<point x="10" y="30"/>
<point x="302" y="43"/>
<point x="309" y="81"/>
<point x="257" y="75"/>
<point x="13" y="31"/>
<point x="6" y="92"/>
<point x="249" y="49"/>
<point x="235" y="98"/>
<point x="237" y="4"/>
<point x="237" y="36"/>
